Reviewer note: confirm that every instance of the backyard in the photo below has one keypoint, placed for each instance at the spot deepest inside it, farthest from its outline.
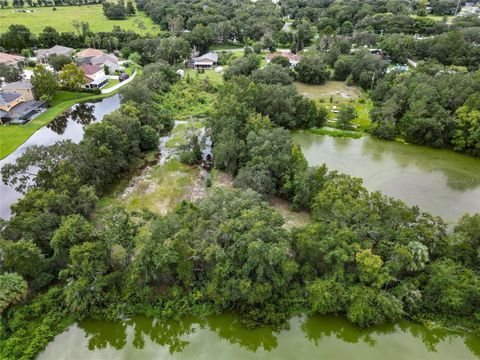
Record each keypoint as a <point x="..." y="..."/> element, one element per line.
<point x="63" y="17"/>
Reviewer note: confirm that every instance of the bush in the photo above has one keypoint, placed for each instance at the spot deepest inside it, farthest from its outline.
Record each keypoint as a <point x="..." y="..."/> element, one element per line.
<point x="148" y="138"/>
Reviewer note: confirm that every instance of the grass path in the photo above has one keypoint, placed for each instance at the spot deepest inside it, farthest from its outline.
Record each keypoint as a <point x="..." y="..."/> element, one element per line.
<point x="62" y="19"/>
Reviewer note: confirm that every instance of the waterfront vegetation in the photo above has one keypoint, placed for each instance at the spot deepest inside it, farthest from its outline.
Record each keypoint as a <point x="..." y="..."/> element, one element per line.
<point x="109" y="228"/>
<point x="167" y="242"/>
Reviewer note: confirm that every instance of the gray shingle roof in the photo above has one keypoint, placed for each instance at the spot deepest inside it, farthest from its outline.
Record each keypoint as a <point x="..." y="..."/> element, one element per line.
<point x="18" y="85"/>
<point x="6" y="98"/>
<point x="208" y="56"/>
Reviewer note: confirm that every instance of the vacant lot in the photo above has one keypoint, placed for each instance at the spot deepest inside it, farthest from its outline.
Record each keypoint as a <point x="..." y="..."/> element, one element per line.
<point x="62" y="19"/>
<point x="336" y="89"/>
<point x="335" y="93"/>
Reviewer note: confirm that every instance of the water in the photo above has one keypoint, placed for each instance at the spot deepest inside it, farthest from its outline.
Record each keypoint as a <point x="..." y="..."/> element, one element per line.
<point x="221" y="337"/>
<point x="441" y="182"/>
<point x="68" y="126"/>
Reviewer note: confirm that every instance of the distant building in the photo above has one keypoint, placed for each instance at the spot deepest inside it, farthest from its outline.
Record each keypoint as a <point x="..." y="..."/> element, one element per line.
<point x="205" y="61"/>
<point x="44" y="54"/>
<point x="10" y="59"/>
<point x="94" y="76"/>
<point x="294" y="59"/>
<point x="85" y="56"/>
<point x="22" y="87"/>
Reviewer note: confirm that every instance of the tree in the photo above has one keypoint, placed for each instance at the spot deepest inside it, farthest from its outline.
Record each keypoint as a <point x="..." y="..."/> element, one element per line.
<point x="17" y="37"/>
<point x="346" y="116"/>
<point x="73" y="230"/>
<point x="22" y="257"/>
<point x="280" y="60"/>
<point x="45" y="83"/>
<point x="130" y="10"/>
<point x="13" y="288"/>
<point x="242" y="66"/>
<point x="173" y="50"/>
<point x="201" y="37"/>
<point x="272" y="74"/>
<point x="10" y="73"/>
<point x="59" y="61"/>
<point x="49" y="37"/>
<point x="72" y="77"/>
<point x="312" y="70"/>
<point x="85" y="277"/>
<point x="466" y="136"/>
<point x="148" y="138"/>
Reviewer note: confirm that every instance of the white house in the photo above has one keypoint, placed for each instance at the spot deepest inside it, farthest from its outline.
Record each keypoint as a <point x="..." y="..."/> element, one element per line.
<point x="205" y="61"/>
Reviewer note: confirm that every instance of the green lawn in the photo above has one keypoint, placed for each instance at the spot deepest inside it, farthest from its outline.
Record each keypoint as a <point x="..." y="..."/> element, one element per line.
<point x="111" y="82"/>
<point x="62" y="19"/>
<point x="337" y="93"/>
<point x="211" y="75"/>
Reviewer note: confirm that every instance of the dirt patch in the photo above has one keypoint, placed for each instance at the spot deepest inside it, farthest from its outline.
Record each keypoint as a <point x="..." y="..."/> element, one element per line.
<point x="292" y="218"/>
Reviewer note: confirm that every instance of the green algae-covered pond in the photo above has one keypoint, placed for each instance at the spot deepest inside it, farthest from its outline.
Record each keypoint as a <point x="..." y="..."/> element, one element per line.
<point x="441" y="182"/>
<point x="222" y="337"/>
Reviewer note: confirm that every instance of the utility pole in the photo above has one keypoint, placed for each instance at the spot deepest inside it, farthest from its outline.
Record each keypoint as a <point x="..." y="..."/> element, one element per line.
<point x="456" y="9"/>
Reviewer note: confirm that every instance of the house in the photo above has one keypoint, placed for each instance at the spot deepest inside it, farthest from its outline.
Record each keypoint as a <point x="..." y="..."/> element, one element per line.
<point x="22" y="87"/>
<point x="44" y="54"/>
<point x="17" y="104"/>
<point x="9" y="100"/>
<point x="108" y="60"/>
<point x="94" y="76"/>
<point x="294" y="59"/>
<point x="10" y="59"/>
<point x="205" y="61"/>
<point x="85" y="56"/>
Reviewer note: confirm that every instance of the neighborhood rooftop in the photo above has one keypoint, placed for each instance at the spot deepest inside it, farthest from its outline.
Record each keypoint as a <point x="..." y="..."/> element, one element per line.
<point x="10" y="59"/>
<point x="18" y="85"/>
<point x="211" y="56"/>
<point x="90" y="69"/>
<point x="7" y="98"/>
<point x="87" y="53"/>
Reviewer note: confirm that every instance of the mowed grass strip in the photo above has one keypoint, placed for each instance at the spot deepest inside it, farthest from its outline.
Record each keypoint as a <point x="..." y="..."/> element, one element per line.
<point x="62" y="19"/>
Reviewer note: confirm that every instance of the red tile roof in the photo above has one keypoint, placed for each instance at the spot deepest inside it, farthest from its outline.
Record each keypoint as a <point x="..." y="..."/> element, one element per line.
<point x="289" y="55"/>
<point x="10" y="59"/>
<point x="86" y="53"/>
<point x="90" y="69"/>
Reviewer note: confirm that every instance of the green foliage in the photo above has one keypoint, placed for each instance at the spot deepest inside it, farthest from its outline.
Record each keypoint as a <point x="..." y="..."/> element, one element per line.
<point x="148" y="138"/>
<point x="44" y="82"/>
<point x="22" y="257"/>
<point x="312" y="70"/>
<point x="12" y="289"/>
<point x="346" y="116"/>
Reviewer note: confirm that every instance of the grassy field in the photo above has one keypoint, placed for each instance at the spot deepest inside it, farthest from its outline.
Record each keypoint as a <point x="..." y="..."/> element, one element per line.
<point x="62" y="19"/>
<point x="210" y="74"/>
<point x="111" y="83"/>
<point x="336" y="93"/>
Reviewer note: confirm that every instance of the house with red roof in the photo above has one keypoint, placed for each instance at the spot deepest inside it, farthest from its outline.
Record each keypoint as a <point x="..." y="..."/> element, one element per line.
<point x="10" y="59"/>
<point x="294" y="59"/>
<point x="94" y="76"/>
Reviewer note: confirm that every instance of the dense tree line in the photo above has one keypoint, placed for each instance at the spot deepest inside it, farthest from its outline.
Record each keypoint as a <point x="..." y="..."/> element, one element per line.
<point x="433" y="105"/>
<point x="224" y="20"/>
